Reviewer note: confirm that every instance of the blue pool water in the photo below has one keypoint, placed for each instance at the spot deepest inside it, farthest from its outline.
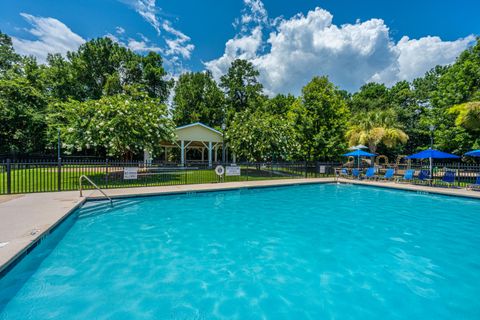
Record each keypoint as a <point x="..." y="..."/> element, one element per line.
<point x="302" y="252"/>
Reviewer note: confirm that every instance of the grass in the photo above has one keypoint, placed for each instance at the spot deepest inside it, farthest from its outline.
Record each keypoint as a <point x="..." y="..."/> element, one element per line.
<point x="45" y="179"/>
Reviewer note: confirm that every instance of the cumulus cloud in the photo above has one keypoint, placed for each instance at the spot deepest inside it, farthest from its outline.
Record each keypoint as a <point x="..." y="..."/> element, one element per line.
<point x="177" y="43"/>
<point x="351" y="54"/>
<point x="51" y="36"/>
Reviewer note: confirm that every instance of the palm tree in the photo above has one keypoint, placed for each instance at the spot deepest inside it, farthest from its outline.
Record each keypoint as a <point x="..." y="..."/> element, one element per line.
<point x="468" y="115"/>
<point x="375" y="127"/>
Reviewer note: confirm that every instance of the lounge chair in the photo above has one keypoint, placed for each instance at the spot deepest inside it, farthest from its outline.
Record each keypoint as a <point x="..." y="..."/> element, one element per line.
<point x="476" y="185"/>
<point x="424" y="175"/>
<point x="408" y="176"/>
<point x="389" y="175"/>
<point x="356" y="173"/>
<point x="448" y="178"/>
<point x="343" y="173"/>
<point x="370" y="174"/>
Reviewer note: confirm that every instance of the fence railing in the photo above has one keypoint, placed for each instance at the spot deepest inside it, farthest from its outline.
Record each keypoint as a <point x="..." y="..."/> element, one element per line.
<point x="48" y="176"/>
<point x="465" y="173"/>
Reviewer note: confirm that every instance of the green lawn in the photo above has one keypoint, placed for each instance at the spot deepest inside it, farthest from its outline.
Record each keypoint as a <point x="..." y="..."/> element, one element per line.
<point x="45" y="179"/>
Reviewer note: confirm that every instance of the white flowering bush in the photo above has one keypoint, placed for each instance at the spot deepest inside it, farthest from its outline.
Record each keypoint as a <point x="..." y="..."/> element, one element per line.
<point x="261" y="136"/>
<point x="120" y="126"/>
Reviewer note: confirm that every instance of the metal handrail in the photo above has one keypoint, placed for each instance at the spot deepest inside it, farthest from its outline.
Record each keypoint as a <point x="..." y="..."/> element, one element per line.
<point x="93" y="184"/>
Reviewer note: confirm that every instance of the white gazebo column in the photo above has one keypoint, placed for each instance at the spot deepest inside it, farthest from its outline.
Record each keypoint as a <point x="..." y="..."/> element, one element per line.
<point x="210" y="153"/>
<point x="215" y="154"/>
<point x="182" y="153"/>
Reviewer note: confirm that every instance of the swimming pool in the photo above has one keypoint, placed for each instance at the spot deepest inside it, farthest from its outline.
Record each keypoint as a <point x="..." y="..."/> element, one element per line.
<point x="318" y="251"/>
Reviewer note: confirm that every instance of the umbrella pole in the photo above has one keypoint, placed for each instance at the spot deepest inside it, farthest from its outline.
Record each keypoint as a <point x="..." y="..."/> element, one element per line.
<point x="431" y="168"/>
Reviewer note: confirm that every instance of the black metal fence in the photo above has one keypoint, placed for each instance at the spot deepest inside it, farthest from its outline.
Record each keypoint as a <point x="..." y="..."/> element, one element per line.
<point x="26" y="176"/>
<point x="465" y="173"/>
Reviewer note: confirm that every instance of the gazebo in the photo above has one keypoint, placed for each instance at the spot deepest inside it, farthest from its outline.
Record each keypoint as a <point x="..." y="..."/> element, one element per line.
<point x="196" y="136"/>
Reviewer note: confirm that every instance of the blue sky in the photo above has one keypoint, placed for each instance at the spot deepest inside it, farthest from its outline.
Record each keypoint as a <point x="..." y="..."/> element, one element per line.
<point x="352" y="42"/>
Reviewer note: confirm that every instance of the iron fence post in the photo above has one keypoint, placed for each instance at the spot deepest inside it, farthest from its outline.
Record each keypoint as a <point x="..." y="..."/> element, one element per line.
<point x="306" y="174"/>
<point x="9" y="177"/>
<point x="106" y="173"/>
<point x="59" y="174"/>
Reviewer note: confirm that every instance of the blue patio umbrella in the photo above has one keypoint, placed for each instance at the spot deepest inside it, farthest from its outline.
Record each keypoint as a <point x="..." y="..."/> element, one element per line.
<point x="474" y="153"/>
<point x="432" y="154"/>
<point x="357" y="154"/>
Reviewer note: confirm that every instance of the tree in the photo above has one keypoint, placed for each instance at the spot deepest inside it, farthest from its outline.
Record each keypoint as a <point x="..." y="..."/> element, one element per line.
<point x="468" y="115"/>
<point x="371" y="96"/>
<point x="280" y="104"/>
<point x="241" y="86"/>
<point x="8" y="57"/>
<point x="22" y="117"/>
<point x="197" y="98"/>
<point x="374" y="128"/>
<point x="121" y="125"/>
<point x="320" y="118"/>
<point x="261" y="136"/>
<point x="101" y="67"/>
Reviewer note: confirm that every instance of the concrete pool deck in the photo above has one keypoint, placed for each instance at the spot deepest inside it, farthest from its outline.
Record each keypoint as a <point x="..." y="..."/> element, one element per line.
<point x="24" y="219"/>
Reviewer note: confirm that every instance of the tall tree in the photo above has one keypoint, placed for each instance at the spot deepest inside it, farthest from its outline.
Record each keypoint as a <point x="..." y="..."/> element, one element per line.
<point x="376" y="127"/>
<point x="197" y="98"/>
<point x="320" y="118"/>
<point x="241" y="86"/>
<point x="371" y="96"/>
<point x="8" y="57"/>
<point x="22" y="117"/>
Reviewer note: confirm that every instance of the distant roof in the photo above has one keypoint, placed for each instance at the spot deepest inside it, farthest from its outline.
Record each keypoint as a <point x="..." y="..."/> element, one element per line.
<point x="198" y="124"/>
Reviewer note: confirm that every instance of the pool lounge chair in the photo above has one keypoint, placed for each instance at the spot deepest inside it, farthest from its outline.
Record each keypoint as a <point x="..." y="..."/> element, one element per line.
<point x="448" y="178"/>
<point x="408" y="176"/>
<point x="424" y="176"/>
<point x="356" y="173"/>
<point x="344" y="173"/>
<point x="370" y="174"/>
<point x="476" y="185"/>
<point x="389" y="175"/>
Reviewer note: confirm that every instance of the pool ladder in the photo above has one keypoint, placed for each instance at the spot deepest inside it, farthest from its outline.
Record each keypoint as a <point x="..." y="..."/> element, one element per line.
<point x="96" y="187"/>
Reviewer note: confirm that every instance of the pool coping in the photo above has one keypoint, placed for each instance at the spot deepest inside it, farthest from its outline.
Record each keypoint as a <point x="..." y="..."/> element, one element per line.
<point x="65" y="203"/>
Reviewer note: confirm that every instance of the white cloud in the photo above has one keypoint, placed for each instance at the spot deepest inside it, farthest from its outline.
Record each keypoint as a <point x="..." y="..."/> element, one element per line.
<point x="351" y="54"/>
<point x="419" y="55"/>
<point x="177" y="43"/>
<point x="52" y="36"/>
<point x="119" y="30"/>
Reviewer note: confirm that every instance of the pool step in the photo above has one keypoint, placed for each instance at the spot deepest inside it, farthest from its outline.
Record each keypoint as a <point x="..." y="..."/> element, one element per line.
<point x="95" y="208"/>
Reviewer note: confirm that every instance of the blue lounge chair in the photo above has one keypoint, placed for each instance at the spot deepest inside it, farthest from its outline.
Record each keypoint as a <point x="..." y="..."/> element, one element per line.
<point x="344" y="172"/>
<point x="476" y="185"/>
<point x="370" y="173"/>
<point x="424" y="175"/>
<point x="389" y="174"/>
<point x="408" y="176"/>
<point x="449" y="178"/>
<point x="356" y="173"/>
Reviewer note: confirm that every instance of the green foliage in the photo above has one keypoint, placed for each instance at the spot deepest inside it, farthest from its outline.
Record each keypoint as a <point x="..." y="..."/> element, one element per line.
<point x="8" y="57"/>
<point x="261" y="136"/>
<point x="468" y="115"/>
<point x="120" y="125"/>
<point x="198" y="99"/>
<point x="241" y="86"/>
<point x="22" y="109"/>
<point x="374" y="128"/>
<point x="320" y="119"/>
<point x="371" y="96"/>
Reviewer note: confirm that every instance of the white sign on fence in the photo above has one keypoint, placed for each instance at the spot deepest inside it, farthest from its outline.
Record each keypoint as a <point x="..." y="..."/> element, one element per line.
<point x="130" y="173"/>
<point x="232" y="171"/>
<point x="322" y="169"/>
